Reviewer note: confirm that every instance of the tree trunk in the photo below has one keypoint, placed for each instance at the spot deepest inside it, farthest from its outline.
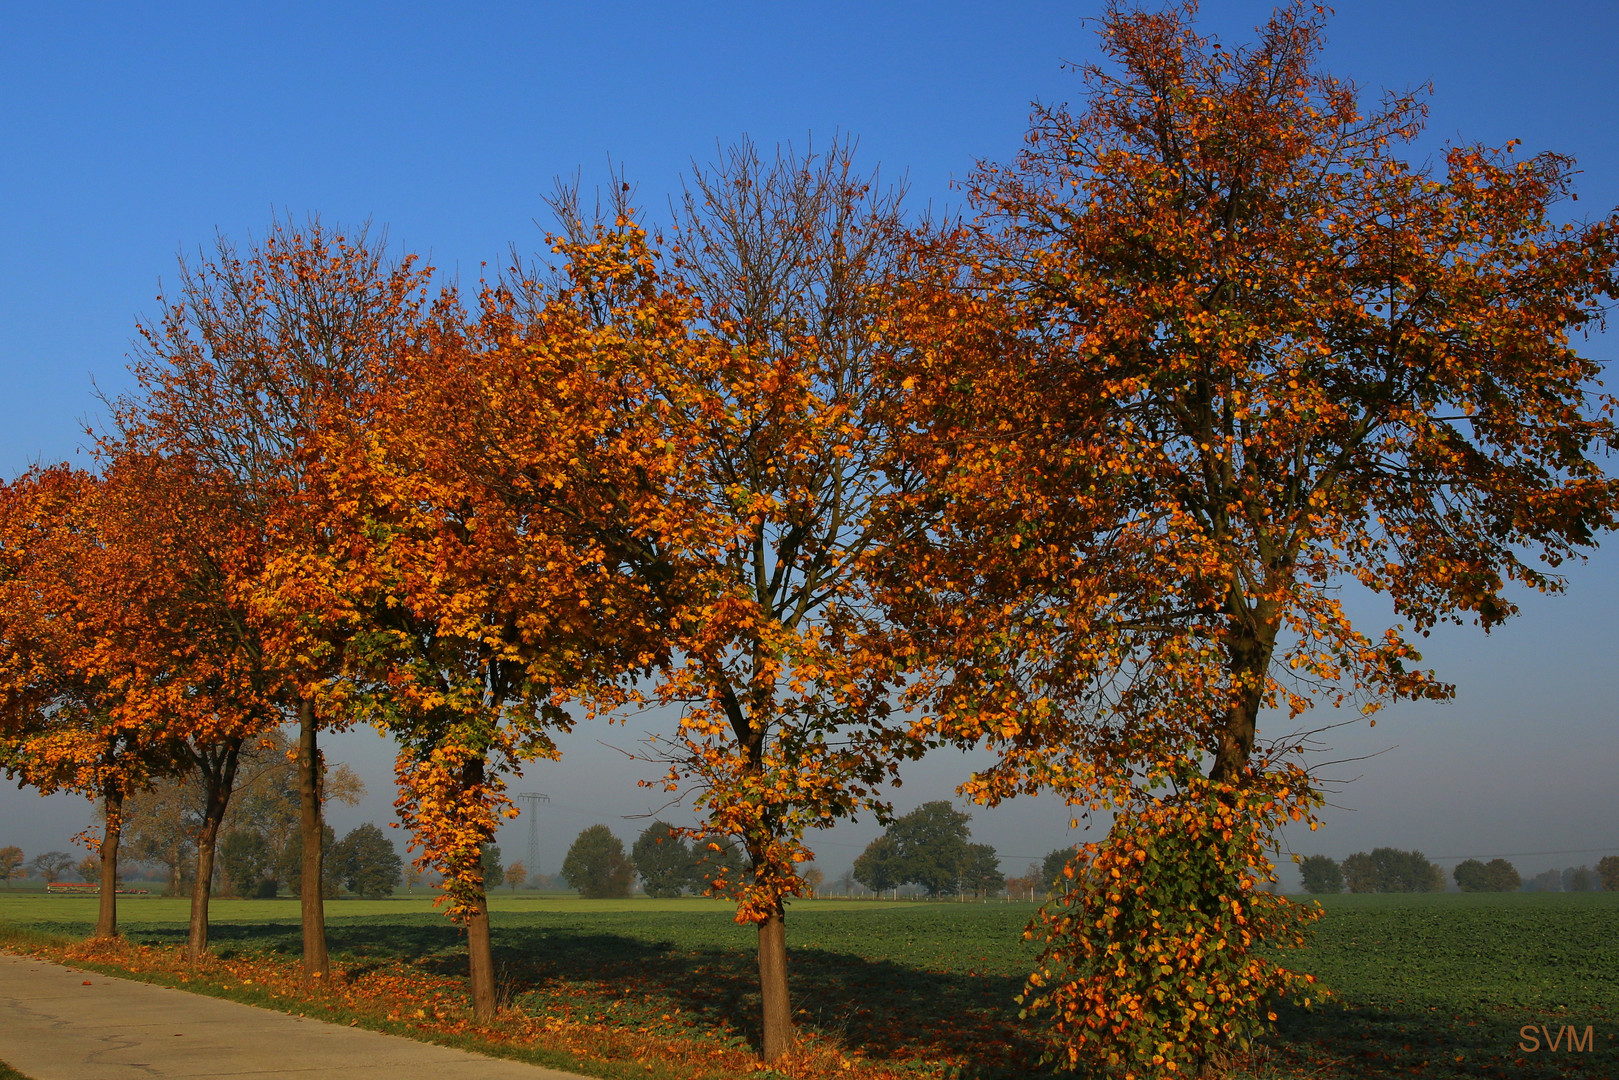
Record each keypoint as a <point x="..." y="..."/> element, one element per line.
<point x="480" y="956"/>
<point x="176" y="878"/>
<point x="219" y="778"/>
<point x="202" y="888"/>
<point x="1248" y="661"/>
<point x="107" y="916"/>
<point x="481" y="963"/>
<point x="311" y="831"/>
<point x="777" y="1036"/>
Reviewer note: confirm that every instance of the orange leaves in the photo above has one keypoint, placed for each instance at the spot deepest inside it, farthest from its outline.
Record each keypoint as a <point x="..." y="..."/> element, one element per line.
<point x="115" y="614"/>
<point x="1189" y="385"/>
<point x="1148" y="960"/>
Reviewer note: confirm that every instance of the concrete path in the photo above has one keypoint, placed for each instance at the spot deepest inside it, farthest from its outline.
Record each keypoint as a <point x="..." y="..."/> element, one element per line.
<point x="54" y="1027"/>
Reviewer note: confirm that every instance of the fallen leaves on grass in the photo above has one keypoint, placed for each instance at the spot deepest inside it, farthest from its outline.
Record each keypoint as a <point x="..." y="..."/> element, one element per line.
<point x="580" y="1020"/>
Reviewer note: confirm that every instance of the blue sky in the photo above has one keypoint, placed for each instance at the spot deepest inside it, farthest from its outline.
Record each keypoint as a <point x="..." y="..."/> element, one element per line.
<point x="133" y="133"/>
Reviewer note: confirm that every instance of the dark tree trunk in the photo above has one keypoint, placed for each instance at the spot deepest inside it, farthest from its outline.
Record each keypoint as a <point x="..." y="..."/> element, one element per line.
<point x="311" y="831"/>
<point x="776" y="1020"/>
<point x="218" y="767"/>
<point x="107" y="916"/>
<point x="480" y="955"/>
<point x="777" y="1036"/>
<point x="1248" y="660"/>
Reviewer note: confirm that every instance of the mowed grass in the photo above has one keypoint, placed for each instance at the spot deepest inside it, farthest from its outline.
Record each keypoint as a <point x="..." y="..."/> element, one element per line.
<point x="1432" y="985"/>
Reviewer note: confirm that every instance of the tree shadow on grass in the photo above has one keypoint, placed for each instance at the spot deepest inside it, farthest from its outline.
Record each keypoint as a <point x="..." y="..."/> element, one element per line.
<point x="878" y="1009"/>
<point x="889" y="1010"/>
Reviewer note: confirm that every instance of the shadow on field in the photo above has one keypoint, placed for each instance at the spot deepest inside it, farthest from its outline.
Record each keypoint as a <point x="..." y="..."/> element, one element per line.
<point x="1380" y="1044"/>
<point x="881" y="1009"/>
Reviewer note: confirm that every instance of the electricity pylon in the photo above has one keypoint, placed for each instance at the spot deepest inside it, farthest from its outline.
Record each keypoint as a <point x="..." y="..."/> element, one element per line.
<point x="533" y="799"/>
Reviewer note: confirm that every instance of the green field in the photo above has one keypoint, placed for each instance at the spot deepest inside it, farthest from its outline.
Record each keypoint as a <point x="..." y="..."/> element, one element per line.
<point x="1430" y="985"/>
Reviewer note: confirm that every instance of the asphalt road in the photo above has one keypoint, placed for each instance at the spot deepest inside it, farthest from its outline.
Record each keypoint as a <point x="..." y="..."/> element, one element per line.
<point x="60" y="1024"/>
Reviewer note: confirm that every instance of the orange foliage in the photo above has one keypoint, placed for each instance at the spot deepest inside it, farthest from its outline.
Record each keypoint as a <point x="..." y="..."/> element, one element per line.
<point x="471" y="557"/>
<point x="65" y="676"/>
<point x="1150" y="964"/>
<point x="121" y="650"/>
<point x="256" y="359"/>
<point x="1229" y="350"/>
<point x="1210" y="350"/>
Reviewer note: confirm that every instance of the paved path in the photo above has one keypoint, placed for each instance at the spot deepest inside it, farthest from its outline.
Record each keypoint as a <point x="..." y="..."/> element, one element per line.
<point x="54" y="1027"/>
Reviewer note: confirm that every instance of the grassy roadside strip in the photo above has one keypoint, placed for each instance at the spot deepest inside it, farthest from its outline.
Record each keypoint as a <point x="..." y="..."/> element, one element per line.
<point x="8" y="1073"/>
<point x="394" y="1000"/>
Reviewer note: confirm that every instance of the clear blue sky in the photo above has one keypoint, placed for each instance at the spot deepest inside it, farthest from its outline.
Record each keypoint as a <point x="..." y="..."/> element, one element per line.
<point x="132" y="133"/>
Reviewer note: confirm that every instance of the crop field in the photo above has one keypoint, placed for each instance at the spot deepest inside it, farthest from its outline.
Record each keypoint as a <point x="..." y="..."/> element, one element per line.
<point x="1428" y="985"/>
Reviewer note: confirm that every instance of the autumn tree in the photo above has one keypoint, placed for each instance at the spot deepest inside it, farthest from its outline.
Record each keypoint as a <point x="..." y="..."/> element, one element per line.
<point x="471" y="569"/>
<point x="11" y="861"/>
<point x="784" y="676"/>
<point x="1212" y="349"/>
<point x="57" y="725"/>
<point x="252" y="357"/>
<point x="668" y="473"/>
<point x="516" y="876"/>
<point x="106" y="631"/>
<point x="177" y="541"/>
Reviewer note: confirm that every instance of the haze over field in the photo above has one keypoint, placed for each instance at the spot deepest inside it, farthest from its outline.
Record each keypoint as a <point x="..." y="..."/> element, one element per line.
<point x="136" y="136"/>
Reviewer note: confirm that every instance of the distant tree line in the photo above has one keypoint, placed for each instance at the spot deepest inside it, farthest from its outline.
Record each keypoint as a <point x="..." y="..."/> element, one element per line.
<point x="668" y="865"/>
<point x="1392" y="870"/>
<point x="259" y="851"/>
<point x="930" y="848"/>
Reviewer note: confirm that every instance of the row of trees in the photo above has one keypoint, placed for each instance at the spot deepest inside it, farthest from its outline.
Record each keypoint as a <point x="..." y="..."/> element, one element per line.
<point x="47" y="865"/>
<point x="364" y="863"/>
<point x="1578" y="878"/>
<point x="668" y="865"/>
<point x="1393" y="870"/>
<point x="1382" y="870"/>
<point x="1075" y="481"/>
